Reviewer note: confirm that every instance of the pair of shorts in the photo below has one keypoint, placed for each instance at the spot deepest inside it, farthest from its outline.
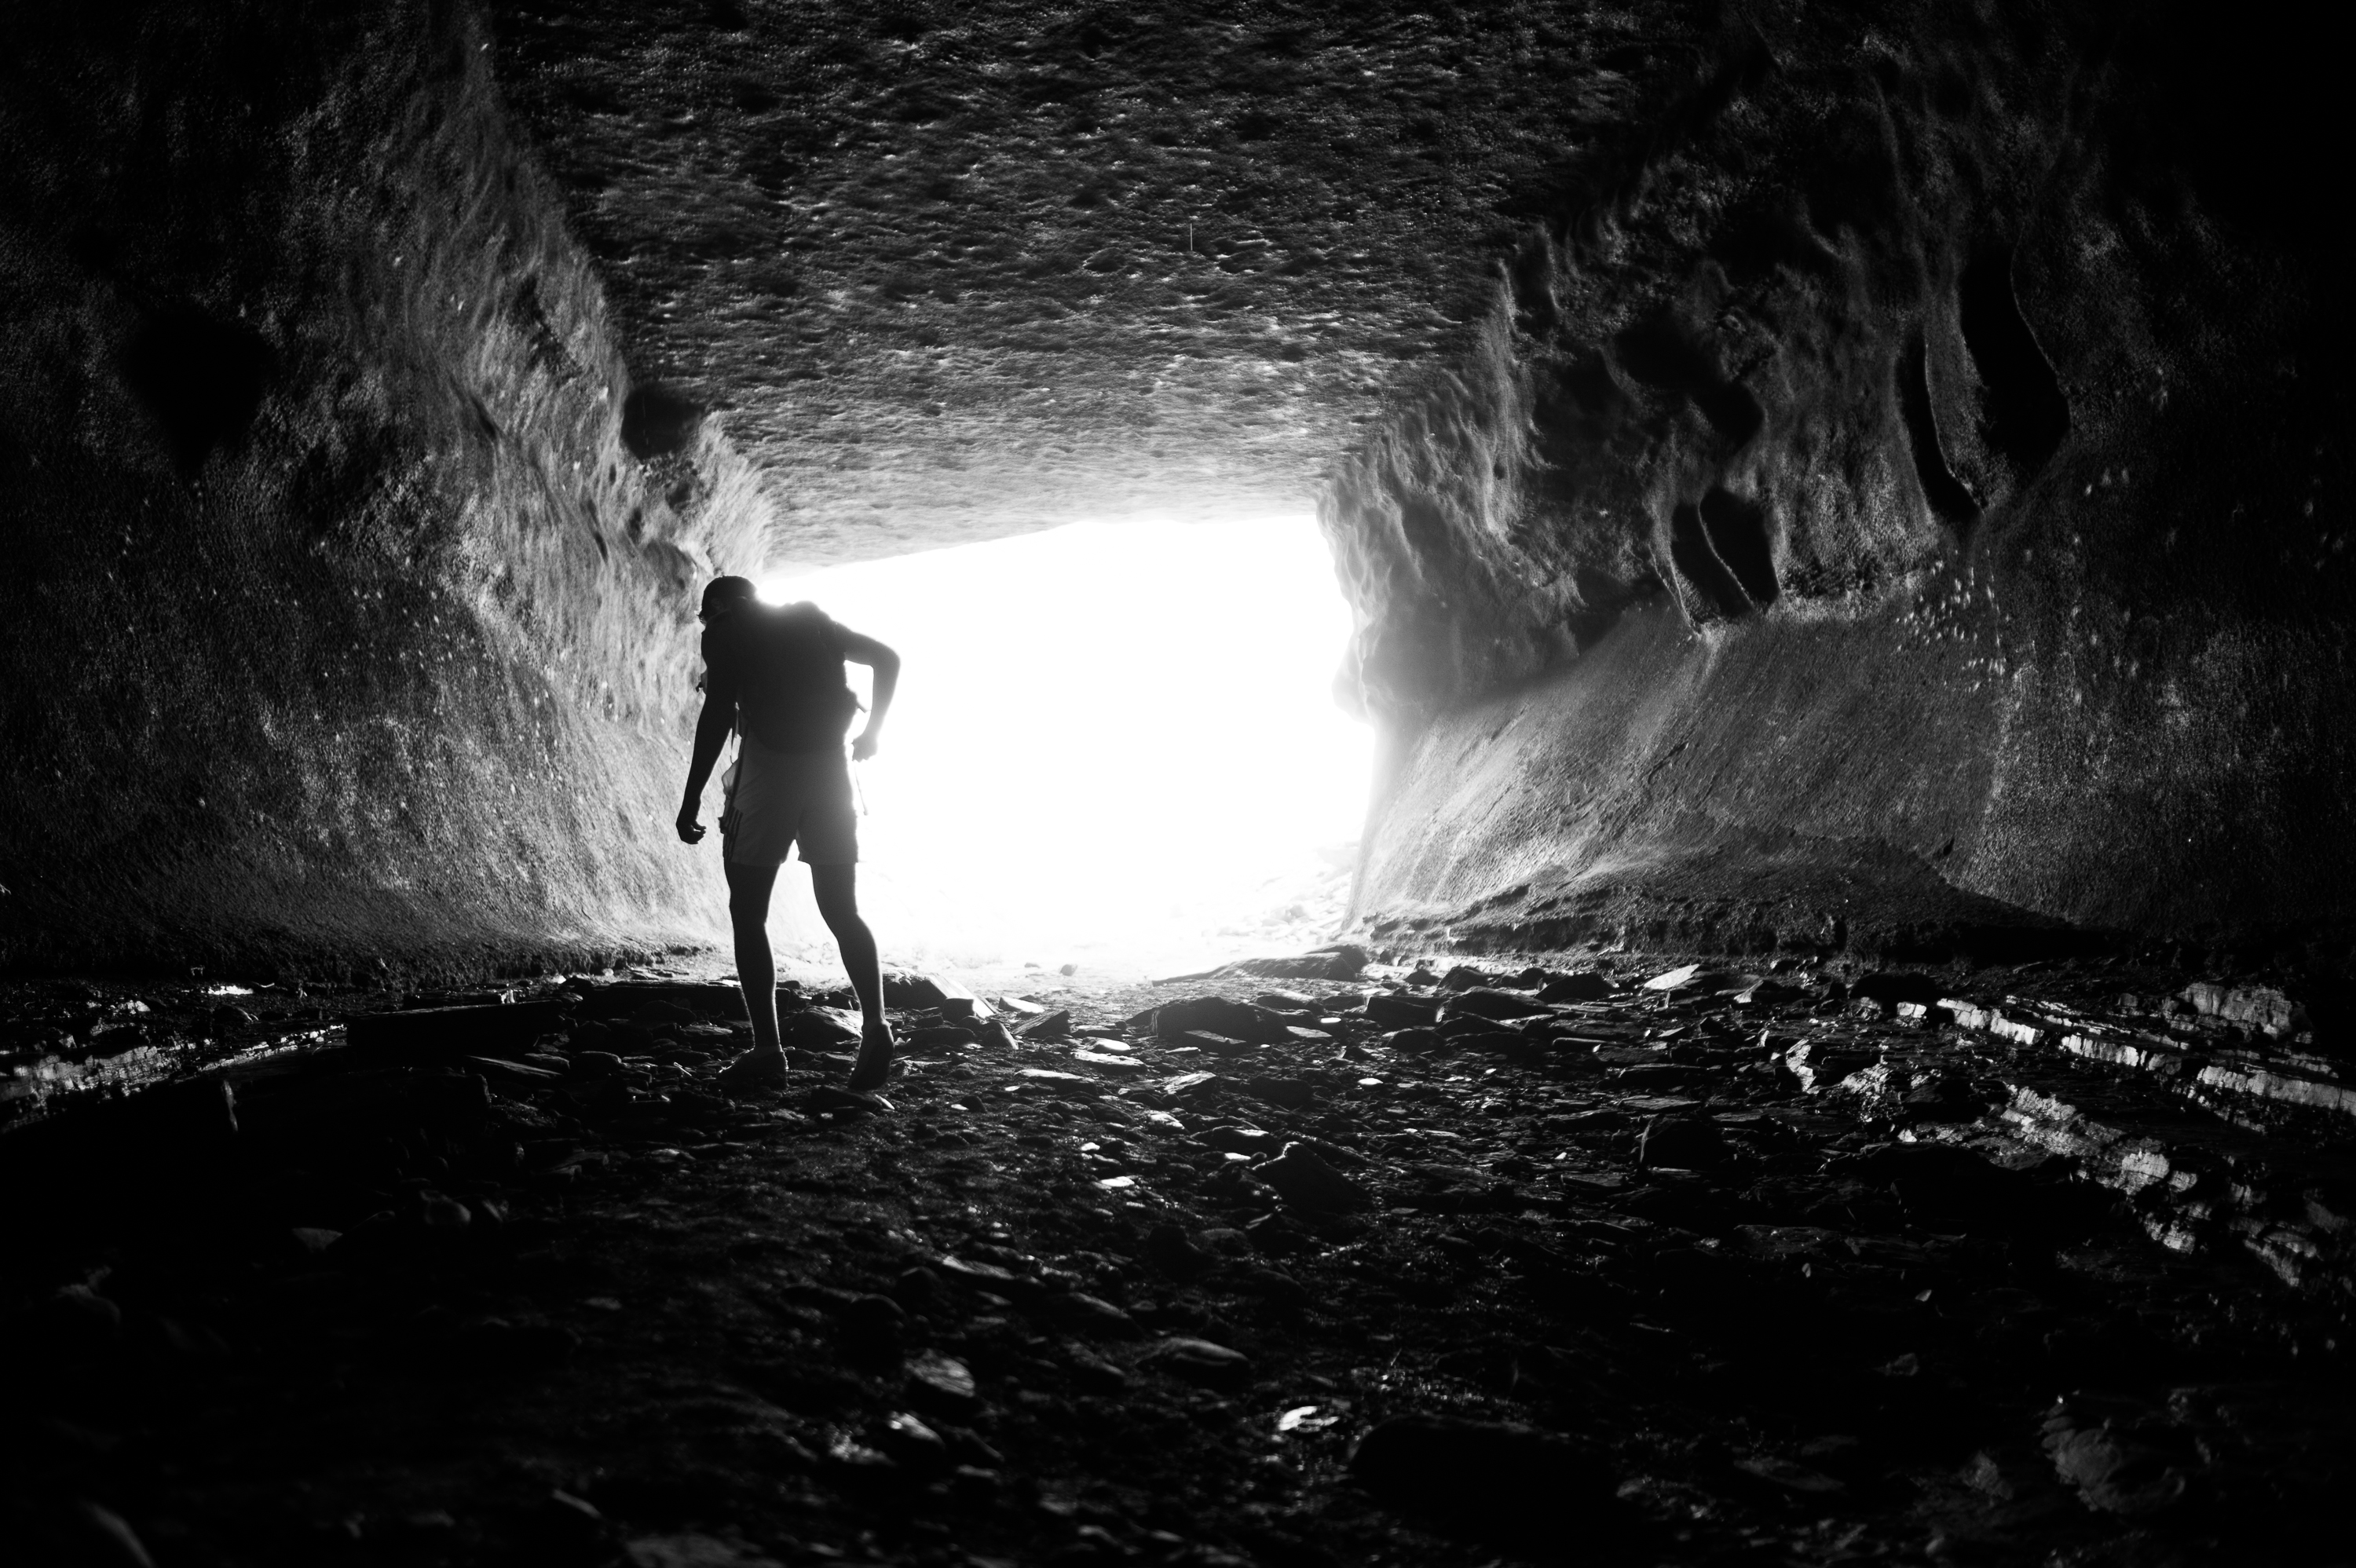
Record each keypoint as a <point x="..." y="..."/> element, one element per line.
<point x="777" y="799"/>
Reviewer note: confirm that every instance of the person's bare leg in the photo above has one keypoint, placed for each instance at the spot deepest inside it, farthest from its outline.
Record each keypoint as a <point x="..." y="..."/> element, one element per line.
<point x="837" y="888"/>
<point x="757" y="966"/>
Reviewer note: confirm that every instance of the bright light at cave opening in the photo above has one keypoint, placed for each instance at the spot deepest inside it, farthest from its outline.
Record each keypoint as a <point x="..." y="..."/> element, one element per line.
<point x="1114" y="745"/>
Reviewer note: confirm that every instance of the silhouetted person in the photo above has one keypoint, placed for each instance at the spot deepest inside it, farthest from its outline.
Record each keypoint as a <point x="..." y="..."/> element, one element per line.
<point x="773" y="674"/>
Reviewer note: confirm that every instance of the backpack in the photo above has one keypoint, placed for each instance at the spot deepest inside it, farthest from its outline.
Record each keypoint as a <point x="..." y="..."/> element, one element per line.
<point x="791" y="692"/>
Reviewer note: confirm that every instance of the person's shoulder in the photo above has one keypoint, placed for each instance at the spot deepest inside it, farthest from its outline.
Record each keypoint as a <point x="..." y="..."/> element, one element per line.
<point x="808" y="617"/>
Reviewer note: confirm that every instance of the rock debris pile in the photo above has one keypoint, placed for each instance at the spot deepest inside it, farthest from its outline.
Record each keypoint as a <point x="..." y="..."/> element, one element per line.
<point x="1606" y="1263"/>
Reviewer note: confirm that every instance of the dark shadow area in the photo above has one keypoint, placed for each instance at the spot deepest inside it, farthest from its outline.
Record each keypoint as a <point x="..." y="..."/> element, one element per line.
<point x="1659" y="353"/>
<point x="201" y="379"/>
<point x="1698" y="564"/>
<point x="1732" y="411"/>
<point x="1948" y="497"/>
<point x="2022" y="412"/>
<point x="658" y="421"/>
<point x="1737" y="531"/>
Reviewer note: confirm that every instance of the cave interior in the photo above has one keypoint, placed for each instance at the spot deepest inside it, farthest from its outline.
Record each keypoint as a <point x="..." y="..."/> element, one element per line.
<point x="1835" y="1039"/>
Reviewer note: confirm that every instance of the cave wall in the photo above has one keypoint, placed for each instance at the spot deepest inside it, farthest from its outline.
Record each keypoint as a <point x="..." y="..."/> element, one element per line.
<point x="348" y="614"/>
<point x="1901" y="494"/>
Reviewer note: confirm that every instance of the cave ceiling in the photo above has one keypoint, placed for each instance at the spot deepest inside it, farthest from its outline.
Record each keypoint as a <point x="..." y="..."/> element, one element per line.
<point x="953" y="271"/>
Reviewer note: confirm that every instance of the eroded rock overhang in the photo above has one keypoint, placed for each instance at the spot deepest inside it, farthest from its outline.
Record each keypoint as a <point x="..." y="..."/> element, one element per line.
<point x="1789" y="463"/>
<point x="1899" y="498"/>
<point x="948" y="271"/>
<point x="341" y="629"/>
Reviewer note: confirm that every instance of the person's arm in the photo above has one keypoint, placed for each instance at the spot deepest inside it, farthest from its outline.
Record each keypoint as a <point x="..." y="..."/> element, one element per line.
<point x="875" y="655"/>
<point x="711" y="730"/>
<point x="713" y="727"/>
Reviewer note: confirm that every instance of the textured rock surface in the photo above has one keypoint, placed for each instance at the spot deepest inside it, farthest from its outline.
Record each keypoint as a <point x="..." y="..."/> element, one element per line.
<point x="1947" y="396"/>
<point x="1918" y="479"/>
<point x="471" y="1281"/>
<point x="337" y="620"/>
<point x="957" y="270"/>
<point x="1869" y="471"/>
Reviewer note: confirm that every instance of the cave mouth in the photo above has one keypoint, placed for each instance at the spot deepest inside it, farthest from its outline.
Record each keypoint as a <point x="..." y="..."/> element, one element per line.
<point x="1114" y="744"/>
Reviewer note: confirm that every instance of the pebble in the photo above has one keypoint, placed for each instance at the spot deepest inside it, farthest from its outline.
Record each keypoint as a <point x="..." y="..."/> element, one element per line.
<point x="1271" y="1284"/>
<point x="819" y="1028"/>
<point x="1094" y="1371"/>
<point x="1093" y="1312"/>
<point x="1198" y="1361"/>
<point x="908" y="1439"/>
<point x="1216" y="1044"/>
<point x="942" y="1381"/>
<point x="1049" y="1075"/>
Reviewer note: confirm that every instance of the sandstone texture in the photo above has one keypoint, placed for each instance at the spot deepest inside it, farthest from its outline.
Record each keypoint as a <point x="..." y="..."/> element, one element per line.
<point x="953" y="270"/>
<point x="1864" y="474"/>
<point x="338" y="625"/>
<point x="1913" y="478"/>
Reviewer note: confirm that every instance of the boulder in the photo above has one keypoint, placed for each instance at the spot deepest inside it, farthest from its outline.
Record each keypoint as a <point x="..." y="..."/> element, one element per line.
<point x="1398" y="1009"/>
<point x="1341" y="963"/>
<point x="1485" y="1002"/>
<point x="1302" y="1178"/>
<point x="1588" y="986"/>
<point x="1218" y="1016"/>
<point x="1893" y="987"/>
<point x="1049" y="1026"/>
<point x="819" y="1029"/>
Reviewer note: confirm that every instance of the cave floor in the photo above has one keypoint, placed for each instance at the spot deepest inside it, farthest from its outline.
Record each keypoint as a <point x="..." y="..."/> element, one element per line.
<point x="1919" y="1291"/>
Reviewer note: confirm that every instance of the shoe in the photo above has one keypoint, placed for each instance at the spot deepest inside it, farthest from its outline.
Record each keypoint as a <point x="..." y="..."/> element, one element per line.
<point x="754" y="1070"/>
<point x="874" y="1058"/>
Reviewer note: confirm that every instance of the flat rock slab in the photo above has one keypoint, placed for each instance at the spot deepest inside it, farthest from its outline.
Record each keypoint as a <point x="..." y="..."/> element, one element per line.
<point x="424" y="1034"/>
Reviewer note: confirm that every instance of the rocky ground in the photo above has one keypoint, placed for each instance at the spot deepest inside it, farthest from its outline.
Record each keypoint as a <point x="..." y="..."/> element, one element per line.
<point x="1584" y="1262"/>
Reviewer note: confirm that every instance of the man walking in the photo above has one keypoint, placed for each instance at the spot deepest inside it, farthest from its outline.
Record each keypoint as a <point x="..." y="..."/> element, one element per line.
<point x="773" y="674"/>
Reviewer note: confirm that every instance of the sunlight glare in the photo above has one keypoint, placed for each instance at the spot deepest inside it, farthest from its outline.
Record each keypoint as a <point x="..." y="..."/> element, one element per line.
<point x="1113" y="744"/>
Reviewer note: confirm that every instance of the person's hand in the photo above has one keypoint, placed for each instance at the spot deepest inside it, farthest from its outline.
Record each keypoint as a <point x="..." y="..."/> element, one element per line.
<point x="864" y="747"/>
<point x="690" y="831"/>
